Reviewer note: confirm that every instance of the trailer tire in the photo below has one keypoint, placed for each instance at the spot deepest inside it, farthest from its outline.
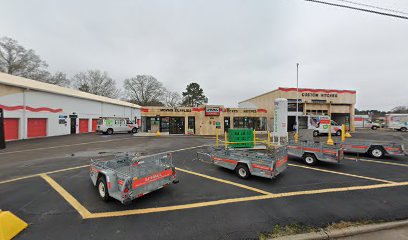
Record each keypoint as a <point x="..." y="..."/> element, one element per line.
<point x="309" y="159"/>
<point x="315" y="133"/>
<point x="134" y="130"/>
<point x="404" y="129"/>
<point x="102" y="188"/>
<point x="376" y="152"/>
<point x="338" y="133"/>
<point x="109" y="131"/>
<point x="242" y="171"/>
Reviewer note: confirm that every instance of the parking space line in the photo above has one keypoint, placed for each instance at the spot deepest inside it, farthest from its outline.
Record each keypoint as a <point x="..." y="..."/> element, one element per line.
<point x="67" y="196"/>
<point x="66" y="145"/>
<point x="39" y="174"/>
<point x="242" y="199"/>
<point x="225" y="181"/>
<point x="83" y="166"/>
<point x="341" y="173"/>
<point x="376" y="161"/>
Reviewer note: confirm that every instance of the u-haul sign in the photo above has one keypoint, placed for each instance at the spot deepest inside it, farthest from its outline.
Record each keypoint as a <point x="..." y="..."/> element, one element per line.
<point x="212" y="111"/>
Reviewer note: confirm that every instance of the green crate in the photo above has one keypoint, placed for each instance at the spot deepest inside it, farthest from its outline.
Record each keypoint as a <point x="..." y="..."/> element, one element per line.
<point x="244" y="135"/>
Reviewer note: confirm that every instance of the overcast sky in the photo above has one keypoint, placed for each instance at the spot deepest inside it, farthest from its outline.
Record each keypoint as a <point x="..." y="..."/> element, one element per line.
<point x="235" y="49"/>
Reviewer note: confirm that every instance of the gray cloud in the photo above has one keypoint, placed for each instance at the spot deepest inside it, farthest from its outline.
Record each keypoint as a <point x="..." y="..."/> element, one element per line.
<point x="235" y="49"/>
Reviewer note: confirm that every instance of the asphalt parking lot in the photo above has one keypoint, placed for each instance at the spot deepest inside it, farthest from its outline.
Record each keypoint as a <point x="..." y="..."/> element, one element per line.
<point x="46" y="183"/>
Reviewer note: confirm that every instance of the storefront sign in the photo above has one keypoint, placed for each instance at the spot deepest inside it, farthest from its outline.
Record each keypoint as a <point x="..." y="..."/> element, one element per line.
<point x="212" y="111"/>
<point x="175" y="110"/>
<point x="312" y="94"/>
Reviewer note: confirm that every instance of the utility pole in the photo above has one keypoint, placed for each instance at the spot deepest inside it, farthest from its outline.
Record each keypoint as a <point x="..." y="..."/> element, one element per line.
<point x="297" y="103"/>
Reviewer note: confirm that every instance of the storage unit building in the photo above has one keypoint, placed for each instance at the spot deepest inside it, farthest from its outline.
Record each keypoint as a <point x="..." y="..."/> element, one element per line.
<point x="35" y="109"/>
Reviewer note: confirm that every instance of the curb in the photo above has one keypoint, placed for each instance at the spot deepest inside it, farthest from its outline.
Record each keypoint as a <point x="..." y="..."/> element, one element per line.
<point x="346" y="232"/>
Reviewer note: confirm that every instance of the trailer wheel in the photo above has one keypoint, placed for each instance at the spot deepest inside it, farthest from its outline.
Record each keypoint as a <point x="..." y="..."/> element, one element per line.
<point x="109" y="131"/>
<point x="134" y="130"/>
<point x="102" y="188"/>
<point x="338" y="133"/>
<point x="242" y="171"/>
<point x="376" y="152"/>
<point x="310" y="159"/>
<point x="315" y="133"/>
<point x="404" y="129"/>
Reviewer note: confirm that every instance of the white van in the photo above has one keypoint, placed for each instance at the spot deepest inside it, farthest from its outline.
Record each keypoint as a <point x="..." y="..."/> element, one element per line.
<point x="110" y="125"/>
<point x="397" y="121"/>
<point x="320" y="124"/>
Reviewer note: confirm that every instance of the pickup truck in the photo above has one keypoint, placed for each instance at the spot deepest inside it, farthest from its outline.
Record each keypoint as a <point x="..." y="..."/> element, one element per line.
<point x="127" y="177"/>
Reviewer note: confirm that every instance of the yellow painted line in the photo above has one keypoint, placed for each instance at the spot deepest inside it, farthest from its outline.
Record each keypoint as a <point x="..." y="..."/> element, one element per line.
<point x="341" y="173"/>
<point x="68" y="197"/>
<point x="224" y="181"/>
<point x="83" y="166"/>
<point x="39" y="174"/>
<point x="66" y="145"/>
<point x="237" y="200"/>
<point x="376" y="161"/>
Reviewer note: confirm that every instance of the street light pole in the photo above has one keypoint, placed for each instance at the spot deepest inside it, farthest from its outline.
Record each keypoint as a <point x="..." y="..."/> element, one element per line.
<point x="297" y="103"/>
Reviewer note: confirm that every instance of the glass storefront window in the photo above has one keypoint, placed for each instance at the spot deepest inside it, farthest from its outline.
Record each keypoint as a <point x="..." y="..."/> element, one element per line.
<point x="257" y="123"/>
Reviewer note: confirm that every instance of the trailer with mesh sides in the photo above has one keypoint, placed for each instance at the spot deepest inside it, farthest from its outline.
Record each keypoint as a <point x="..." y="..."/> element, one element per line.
<point x="311" y="152"/>
<point x="127" y="177"/>
<point x="268" y="163"/>
<point x="375" y="149"/>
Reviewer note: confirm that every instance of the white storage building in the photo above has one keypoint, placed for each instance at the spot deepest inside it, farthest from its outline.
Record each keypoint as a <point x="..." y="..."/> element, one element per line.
<point x="36" y="109"/>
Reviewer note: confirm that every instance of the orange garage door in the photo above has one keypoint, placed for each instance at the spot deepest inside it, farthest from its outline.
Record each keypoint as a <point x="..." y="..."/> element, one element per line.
<point x="11" y="128"/>
<point x="36" y="127"/>
<point x="83" y="125"/>
<point x="94" y="124"/>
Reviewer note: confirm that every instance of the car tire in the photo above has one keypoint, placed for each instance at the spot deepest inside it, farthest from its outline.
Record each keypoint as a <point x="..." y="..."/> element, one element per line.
<point x="338" y="133"/>
<point x="315" y="133"/>
<point x="109" y="131"/>
<point x="242" y="171"/>
<point x="310" y="159"/>
<point x="376" y="152"/>
<point x="102" y="188"/>
<point x="374" y="127"/>
<point x="134" y="130"/>
<point x="404" y="129"/>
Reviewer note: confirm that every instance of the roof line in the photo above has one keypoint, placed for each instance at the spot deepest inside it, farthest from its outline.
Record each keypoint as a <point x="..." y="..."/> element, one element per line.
<point x="302" y="89"/>
<point x="22" y="82"/>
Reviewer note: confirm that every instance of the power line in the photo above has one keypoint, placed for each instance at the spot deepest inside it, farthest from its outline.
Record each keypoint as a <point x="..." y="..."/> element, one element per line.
<point x="372" y="6"/>
<point x="359" y="9"/>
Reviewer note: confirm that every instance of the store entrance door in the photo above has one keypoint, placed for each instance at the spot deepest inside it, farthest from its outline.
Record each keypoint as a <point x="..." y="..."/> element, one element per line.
<point x="73" y="119"/>
<point x="176" y="125"/>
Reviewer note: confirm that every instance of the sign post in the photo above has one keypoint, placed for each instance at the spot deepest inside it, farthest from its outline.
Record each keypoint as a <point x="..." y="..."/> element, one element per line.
<point x="2" y="137"/>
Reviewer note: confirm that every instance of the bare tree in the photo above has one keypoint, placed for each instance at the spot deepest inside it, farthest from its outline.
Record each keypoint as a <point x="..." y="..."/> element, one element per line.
<point x="96" y="82"/>
<point x="144" y="90"/>
<point x="18" y="61"/>
<point x="172" y="99"/>
<point x="400" y="109"/>
<point x="58" y="78"/>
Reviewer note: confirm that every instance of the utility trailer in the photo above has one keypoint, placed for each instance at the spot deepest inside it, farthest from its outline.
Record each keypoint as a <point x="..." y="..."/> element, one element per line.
<point x="267" y="163"/>
<point x="375" y="149"/>
<point x="127" y="177"/>
<point x="312" y="152"/>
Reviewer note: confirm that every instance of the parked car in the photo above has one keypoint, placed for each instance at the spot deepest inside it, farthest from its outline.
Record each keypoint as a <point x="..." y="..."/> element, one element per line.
<point x="110" y="125"/>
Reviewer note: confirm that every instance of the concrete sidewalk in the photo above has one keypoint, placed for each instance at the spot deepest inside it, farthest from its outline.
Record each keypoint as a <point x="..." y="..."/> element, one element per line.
<point x="397" y="233"/>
